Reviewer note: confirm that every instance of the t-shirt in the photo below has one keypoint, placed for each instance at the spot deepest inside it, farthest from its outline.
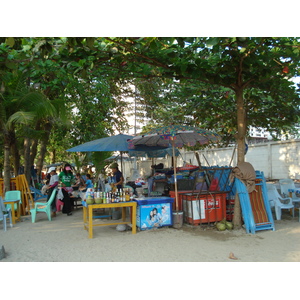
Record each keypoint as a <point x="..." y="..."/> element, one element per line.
<point x="66" y="178"/>
<point x="89" y="184"/>
<point x="53" y="180"/>
<point x="117" y="177"/>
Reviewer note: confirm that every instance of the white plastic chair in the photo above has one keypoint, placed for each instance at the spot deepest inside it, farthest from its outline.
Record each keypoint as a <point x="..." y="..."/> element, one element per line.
<point x="5" y="212"/>
<point x="274" y="196"/>
<point x="285" y="186"/>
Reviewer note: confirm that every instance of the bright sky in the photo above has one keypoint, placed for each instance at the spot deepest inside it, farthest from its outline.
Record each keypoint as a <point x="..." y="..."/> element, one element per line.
<point x="155" y="18"/>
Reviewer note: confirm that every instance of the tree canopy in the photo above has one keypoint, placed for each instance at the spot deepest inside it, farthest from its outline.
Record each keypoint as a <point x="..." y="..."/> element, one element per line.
<point x="225" y="84"/>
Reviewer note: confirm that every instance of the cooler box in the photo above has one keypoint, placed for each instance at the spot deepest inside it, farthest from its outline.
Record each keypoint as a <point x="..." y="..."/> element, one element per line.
<point x="204" y="208"/>
<point x="154" y="212"/>
<point x="179" y="194"/>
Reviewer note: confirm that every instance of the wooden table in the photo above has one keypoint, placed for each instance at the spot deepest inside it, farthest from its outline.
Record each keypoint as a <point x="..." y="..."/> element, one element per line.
<point x="88" y="215"/>
<point x="12" y="205"/>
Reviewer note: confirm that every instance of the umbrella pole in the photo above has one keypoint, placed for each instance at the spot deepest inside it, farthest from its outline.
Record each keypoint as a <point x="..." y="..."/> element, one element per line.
<point x="121" y="162"/>
<point x="175" y="176"/>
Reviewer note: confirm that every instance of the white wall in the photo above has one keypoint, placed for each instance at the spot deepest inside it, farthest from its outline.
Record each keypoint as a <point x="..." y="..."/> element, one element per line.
<point x="276" y="159"/>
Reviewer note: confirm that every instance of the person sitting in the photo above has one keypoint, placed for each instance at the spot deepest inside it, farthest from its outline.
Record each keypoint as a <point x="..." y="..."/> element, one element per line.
<point x="79" y="182"/>
<point x="88" y="184"/>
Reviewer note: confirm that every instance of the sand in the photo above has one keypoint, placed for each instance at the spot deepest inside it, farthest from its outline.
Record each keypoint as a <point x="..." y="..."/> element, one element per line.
<point x="64" y="240"/>
<point x="181" y="263"/>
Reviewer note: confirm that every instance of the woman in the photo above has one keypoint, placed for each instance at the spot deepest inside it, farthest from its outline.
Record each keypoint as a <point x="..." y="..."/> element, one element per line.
<point x="118" y="178"/>
<point x="66" y="178"/>
<point x="52" y="186"/>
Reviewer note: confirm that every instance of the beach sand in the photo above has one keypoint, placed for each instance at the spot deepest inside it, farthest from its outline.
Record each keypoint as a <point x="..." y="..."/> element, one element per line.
<point x="65" y="240"/>
<point x="181" y="263"/>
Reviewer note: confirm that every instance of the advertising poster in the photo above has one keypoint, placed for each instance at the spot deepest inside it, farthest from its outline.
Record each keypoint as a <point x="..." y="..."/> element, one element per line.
<point x="154" y="215"/>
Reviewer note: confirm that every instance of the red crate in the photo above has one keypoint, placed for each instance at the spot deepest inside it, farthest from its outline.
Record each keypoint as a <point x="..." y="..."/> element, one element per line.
<point x="204" y="208"/>
<point x="179" y="193"/>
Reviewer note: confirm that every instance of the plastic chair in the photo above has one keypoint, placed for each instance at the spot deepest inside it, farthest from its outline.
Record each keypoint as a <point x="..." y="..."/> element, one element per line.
<point x="59" y="204"/>
<point x="37" y="194"/>
<point x="13" y="195"/>
<point x="273" y="195"/>
<point x="285" y="186"/>
<point x="43" y="207"/>
<point x="4" y="213"/>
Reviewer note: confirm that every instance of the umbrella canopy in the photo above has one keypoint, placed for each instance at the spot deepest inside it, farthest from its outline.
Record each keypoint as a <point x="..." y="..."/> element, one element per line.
<point x="117" y="142"/>
<point x="151" y="152"/>
<point x="177" y="136"/>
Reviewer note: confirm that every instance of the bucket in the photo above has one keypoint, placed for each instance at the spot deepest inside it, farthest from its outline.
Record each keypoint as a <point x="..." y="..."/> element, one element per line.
<point x="116" y="215"/>
<point x="177" y="219"/>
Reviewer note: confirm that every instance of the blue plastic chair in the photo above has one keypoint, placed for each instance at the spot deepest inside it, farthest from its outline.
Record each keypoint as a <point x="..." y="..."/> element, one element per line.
<point x="37" y="194"/>
<point x="4" y="213"/>
<point x="43" y="207"/>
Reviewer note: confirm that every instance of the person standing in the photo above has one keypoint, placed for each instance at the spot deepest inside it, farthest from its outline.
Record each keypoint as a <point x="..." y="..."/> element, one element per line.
<point x="118" y="178"/>
<point x="53" y="185"/>
<point x="66" y="179"/>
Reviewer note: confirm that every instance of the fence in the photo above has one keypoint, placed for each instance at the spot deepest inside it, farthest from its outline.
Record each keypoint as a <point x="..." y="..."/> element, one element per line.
<point x="277" y="160"/>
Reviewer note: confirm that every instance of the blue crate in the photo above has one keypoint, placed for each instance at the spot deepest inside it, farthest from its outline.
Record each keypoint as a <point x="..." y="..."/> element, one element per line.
<point x="154" y="212"/>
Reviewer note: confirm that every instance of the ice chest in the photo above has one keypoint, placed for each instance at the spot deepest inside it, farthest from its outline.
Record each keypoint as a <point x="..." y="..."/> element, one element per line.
<point x="204" y="208"/>
<point x="153" y="212"/>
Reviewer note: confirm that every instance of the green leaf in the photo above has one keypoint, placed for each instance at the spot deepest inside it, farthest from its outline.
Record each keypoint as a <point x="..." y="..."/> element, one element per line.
<point x="212" y="42"/>
<point x="10" y="41"/>
<point x="11" y="65"/>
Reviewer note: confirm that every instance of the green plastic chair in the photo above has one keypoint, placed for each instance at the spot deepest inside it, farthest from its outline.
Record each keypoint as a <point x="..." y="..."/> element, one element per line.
<point x="43" y="207"/>
<point x="13" y="195"/>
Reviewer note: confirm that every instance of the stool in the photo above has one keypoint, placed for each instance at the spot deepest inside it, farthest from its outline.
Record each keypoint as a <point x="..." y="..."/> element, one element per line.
<point x="59" y="204"/>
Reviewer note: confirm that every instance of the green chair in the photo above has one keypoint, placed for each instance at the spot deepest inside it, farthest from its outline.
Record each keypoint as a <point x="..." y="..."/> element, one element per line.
<point x="13" y="195"/>
<point x="43" y="207"/>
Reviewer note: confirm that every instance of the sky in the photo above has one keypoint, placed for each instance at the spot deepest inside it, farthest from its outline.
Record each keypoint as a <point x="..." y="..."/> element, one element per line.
<point x="142" y="18"/>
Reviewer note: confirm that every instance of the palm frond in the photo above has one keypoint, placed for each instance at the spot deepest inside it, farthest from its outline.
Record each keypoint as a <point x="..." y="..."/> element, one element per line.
<point x="36" y="101"/>
<point x="21" y="117"/>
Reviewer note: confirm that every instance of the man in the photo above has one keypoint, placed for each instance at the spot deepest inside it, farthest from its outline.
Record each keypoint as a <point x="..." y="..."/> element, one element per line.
<point x="53" y="184"/>
<point x="118" y="178"/>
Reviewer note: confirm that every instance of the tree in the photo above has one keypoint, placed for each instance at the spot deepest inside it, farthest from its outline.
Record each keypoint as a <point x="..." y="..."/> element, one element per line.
<point x="20" y="107"/>
<point x="241" y="65"/>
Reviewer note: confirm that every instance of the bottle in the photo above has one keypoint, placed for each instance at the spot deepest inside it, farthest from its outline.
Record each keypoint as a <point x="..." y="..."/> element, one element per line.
<point x="127" y="196"/>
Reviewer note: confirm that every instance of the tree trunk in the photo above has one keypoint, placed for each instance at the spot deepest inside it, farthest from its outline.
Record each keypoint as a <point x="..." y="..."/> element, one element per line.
<point x="15" y="153"/>
<point x="43" y="148"/>
<point x="27" y="165"/>
<point x="241" y="126"/>
<point x="7" y="174"/>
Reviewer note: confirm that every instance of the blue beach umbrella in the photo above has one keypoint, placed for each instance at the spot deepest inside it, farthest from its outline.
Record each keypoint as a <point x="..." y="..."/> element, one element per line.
<point x="117" y="142"/>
